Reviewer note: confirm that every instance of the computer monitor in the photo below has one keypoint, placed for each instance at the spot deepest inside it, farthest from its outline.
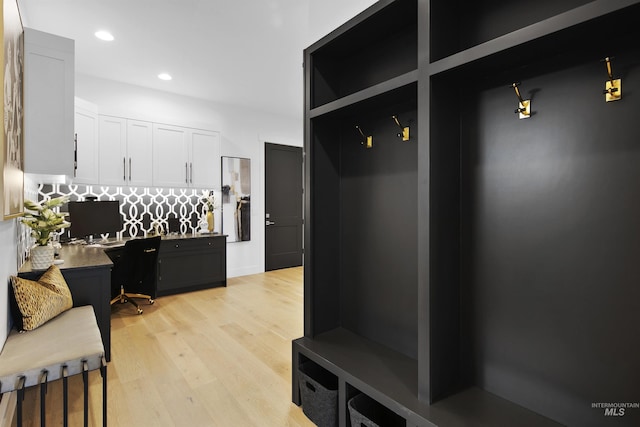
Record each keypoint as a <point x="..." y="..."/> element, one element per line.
<point x="94" y="218"/>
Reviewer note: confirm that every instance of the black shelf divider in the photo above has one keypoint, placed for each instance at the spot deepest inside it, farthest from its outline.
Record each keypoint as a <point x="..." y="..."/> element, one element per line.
<point x="366" y="94"/>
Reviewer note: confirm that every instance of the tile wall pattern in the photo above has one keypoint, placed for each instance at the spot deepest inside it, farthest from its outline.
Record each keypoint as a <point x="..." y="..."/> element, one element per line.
<point x="141" y="208"/>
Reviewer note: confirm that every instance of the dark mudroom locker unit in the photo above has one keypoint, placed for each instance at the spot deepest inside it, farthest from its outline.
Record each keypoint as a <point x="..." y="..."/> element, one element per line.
<point x="486" y="271"/>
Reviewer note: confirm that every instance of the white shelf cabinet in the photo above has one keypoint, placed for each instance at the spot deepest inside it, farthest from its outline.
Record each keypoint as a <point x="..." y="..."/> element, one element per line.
<point x="125" y="151"/>
<point x="170" y="157"/>
<point x="204" y="151"/>
<point x="139" y="153"/>
<point x="48" y="103"/>
<point x="185" y="157"/>
<point x="86" y="143"/>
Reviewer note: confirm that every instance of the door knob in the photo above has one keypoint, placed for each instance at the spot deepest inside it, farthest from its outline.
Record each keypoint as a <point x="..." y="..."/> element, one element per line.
<point x="270" y="222"/>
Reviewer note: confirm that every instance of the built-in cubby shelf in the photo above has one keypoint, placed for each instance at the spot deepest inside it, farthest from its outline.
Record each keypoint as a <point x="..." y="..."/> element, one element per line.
<point x="357" y="57"/>
<point x="460" y="26"/>
<point x="347" y="176"/>
<point x="460" y="277"/>
<point x="392" y="88"/>
<point x="590" y="27"/>
<point x="390" y="378"/>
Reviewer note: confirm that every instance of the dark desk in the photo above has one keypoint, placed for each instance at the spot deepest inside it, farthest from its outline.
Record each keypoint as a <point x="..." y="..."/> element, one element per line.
<point x="185" y="263"/>
<point x="87" y="271"/>
<point x="191" y="262"/>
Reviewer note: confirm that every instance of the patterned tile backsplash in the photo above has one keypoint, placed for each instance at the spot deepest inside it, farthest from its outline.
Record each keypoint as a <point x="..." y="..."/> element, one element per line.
<point x="141" y="208"/>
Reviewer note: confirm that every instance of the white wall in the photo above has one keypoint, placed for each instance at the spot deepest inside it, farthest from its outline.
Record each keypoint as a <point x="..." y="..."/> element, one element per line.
<point x="327" y="15"/>
<point x="243" y="133"/>
<point x="8" y="267"/>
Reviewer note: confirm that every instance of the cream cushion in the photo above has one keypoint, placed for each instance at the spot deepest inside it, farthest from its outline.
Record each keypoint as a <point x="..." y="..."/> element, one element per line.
<point x="67" y="340"/>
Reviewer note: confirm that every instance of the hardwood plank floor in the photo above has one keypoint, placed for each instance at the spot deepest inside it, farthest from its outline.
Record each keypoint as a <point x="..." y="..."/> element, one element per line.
<point x="218" y="357"/>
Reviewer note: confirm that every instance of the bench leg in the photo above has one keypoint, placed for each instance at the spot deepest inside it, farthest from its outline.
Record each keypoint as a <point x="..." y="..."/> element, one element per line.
<point x="103" y="372"/>
<point x="20" y="399"/>
<point x="65" y="396"/>
<point x="43" y="398"/>
<point x="85" y="380"/>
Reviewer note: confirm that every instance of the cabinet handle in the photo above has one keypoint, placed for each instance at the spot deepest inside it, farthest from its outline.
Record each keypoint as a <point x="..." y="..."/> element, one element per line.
<point x="159" y="269"/>
<point x="75" y="155"/>
<point x="177" y="245"/>
<point x="124" y="169"/>
<point x="186" y="172"/>
<point x="129" y="169"/>
<point x="191" y="172"/>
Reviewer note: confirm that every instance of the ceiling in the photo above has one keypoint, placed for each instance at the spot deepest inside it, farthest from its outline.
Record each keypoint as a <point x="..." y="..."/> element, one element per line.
<point x="239" y="52"/>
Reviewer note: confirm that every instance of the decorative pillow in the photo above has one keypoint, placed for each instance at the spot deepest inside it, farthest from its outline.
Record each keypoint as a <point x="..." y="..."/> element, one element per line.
<point x="41" y="301"/>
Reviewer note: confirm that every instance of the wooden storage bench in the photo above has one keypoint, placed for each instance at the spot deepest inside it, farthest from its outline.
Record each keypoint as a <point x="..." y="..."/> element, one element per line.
<point x="67" y="345"/>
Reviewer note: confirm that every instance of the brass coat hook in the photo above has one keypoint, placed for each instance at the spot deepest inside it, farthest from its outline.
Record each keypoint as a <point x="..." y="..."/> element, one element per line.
<point x="367" y="140"/>
<point x="404" y="134"/>
<point x="524" y="105"/>
<point x="613" y="87"/>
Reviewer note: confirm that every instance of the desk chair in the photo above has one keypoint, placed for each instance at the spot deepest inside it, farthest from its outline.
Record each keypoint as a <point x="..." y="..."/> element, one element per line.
<point x="134" y="271"/>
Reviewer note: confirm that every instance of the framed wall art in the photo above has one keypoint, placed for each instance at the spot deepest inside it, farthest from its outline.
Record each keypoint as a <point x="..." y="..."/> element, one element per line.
<point x="236" y="198"/>
<point x="13" y="112"/>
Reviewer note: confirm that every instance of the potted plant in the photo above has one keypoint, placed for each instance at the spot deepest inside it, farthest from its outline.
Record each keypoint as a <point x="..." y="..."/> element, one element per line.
<point x="43" y="220"/>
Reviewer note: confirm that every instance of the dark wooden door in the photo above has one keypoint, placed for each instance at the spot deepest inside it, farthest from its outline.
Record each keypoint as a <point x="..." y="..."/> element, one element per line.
<point x="283" y="206"/>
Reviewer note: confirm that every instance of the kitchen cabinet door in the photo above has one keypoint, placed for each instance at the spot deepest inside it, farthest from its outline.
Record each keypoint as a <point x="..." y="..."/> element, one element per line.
<point x="170" y="156"/>
<point x="48" y="104"/>
<point x="113" y="150"/>
<point x="205" y="159"/>
<point x="86" y="143"/>
<point x="139" y="153"/>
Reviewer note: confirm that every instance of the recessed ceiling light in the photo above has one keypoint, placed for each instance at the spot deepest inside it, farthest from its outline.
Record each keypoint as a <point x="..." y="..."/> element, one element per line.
<point x="104" y="35"/>
<point x="164" y="76"/>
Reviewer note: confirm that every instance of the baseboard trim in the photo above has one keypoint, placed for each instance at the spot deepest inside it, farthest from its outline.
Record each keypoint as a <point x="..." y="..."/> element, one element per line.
<point x="244" y="271"/>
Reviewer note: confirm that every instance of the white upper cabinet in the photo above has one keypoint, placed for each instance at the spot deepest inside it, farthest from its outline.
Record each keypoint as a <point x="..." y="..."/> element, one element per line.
<point x="86" y="143"/>
<point x="125" y="151"/>
<point x="113" y="150"/>
<point x="204" y="159"/>
<point x="48" y="104"/>
<point x="170" y="159"/>
<point x="184" y="157"/>
<point x="139" y="153"/>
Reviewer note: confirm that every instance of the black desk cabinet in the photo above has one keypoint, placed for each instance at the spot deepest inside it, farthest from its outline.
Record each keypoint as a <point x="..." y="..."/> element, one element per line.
<point x="189" y="264"/>
<point x="87" y="272"/>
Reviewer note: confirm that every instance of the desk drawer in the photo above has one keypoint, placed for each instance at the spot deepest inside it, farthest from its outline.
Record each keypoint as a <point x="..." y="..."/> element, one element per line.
<point x="192" y="244"/>
<point x="191" y="264"/>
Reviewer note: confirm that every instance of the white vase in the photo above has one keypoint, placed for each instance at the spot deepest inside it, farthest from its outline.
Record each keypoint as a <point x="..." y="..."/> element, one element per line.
<point x="204" y="225"/>
<point x="41" y="257"/>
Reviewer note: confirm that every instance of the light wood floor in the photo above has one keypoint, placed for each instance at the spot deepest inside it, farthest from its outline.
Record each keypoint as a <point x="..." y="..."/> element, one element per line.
<point x="219" y="357"/>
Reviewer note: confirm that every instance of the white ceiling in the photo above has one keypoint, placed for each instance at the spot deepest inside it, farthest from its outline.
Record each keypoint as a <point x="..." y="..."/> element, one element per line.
<point x="240" y="52"/>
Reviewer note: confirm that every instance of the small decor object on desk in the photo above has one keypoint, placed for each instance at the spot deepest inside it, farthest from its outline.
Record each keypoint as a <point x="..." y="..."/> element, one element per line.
<point x="209" y="200"/>
<point x="41" y="257"/>
<point x="43" y="221"/>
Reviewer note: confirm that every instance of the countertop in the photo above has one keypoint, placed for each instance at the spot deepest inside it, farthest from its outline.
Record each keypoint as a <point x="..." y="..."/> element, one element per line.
<point x="76" y="256"/>
<point x="85" y="256"/>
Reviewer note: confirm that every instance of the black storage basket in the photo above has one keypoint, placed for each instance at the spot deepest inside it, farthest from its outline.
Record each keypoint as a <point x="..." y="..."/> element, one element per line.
<point x="318" y="394"/>
<point x="366" y="412"/>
